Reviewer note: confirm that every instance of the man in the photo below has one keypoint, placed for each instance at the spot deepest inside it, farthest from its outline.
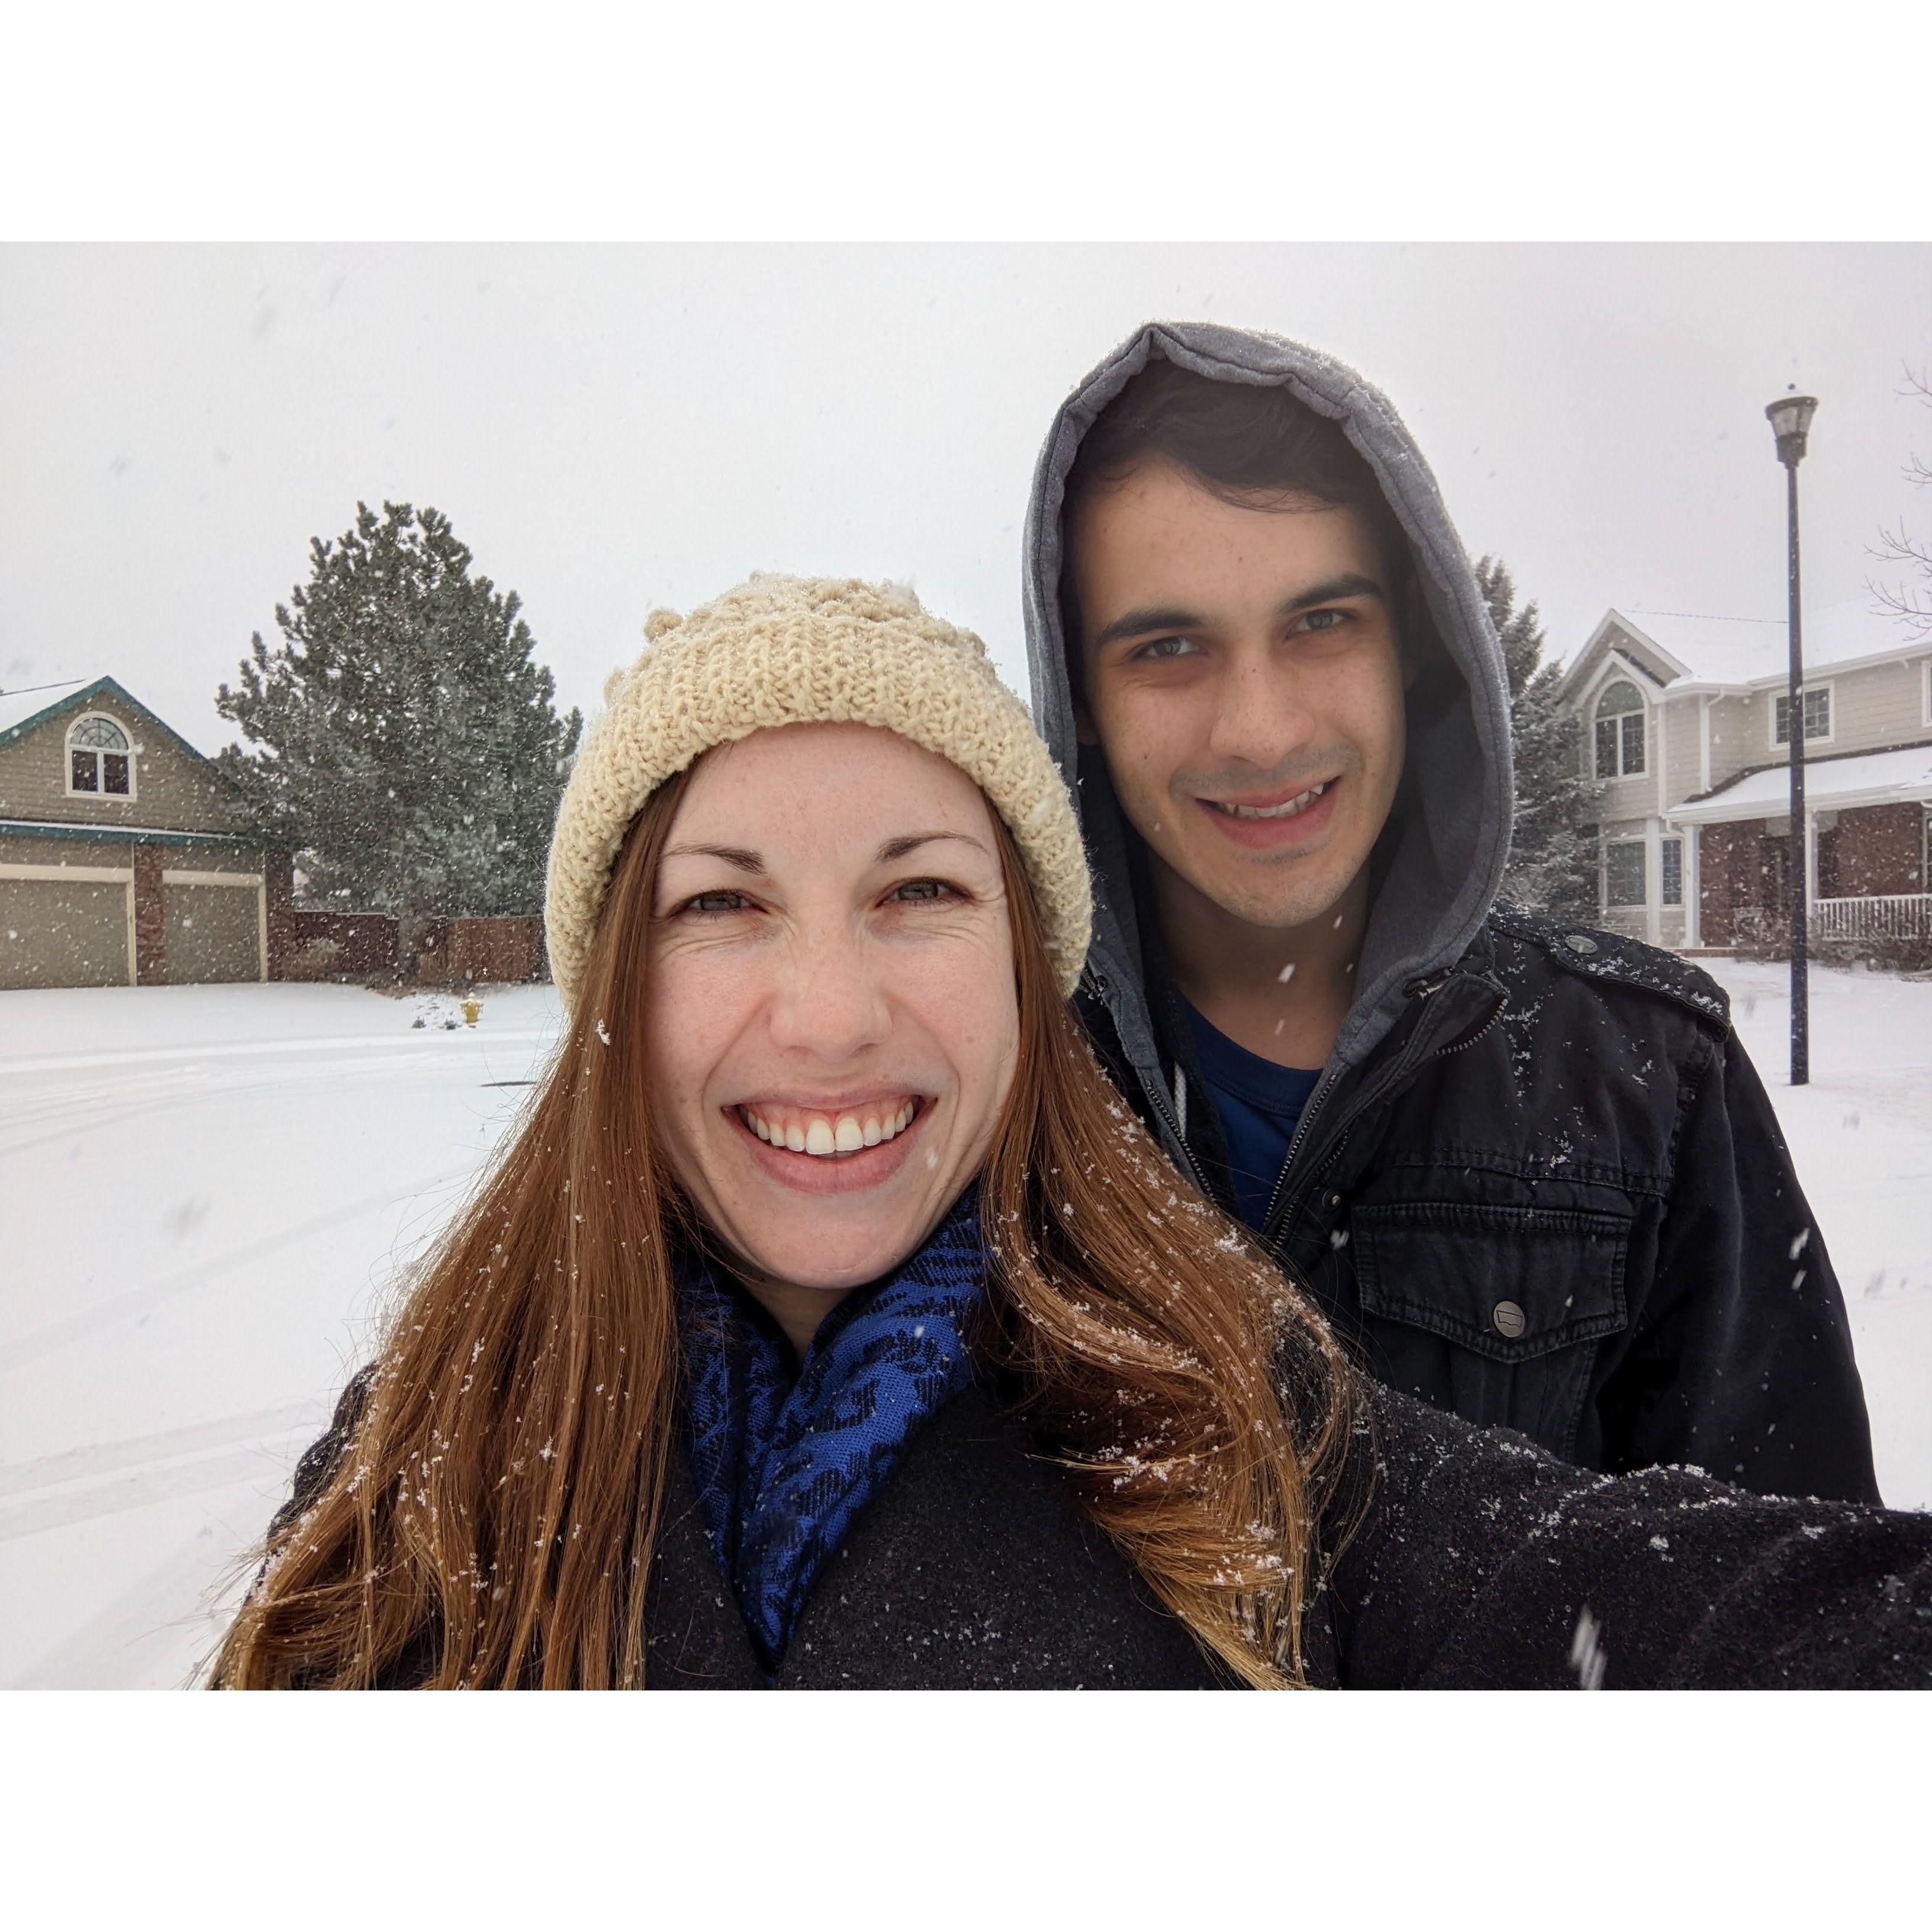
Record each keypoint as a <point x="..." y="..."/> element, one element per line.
<point x="1528" y="1165"/>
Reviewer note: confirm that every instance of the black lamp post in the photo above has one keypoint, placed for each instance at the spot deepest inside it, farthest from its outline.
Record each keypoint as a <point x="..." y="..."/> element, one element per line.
<point x="1790" y="422"/>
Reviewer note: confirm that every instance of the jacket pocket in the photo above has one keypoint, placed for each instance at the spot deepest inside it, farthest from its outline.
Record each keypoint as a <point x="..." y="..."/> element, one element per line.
<point x="1492" y="1310"/>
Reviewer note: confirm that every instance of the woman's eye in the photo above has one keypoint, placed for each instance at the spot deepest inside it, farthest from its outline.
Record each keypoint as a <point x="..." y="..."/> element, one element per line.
<point x="915" y="889"/>
<point x="715" y="902"/>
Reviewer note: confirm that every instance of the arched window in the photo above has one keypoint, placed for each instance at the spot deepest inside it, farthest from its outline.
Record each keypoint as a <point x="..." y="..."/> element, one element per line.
<point x="100" y="759"/>
<point x="1619" y="730"/>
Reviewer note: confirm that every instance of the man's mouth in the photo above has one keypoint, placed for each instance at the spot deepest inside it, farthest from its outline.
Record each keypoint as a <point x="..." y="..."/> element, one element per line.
<point x="1287" y="809"/>
<point x="829" y="1135"/>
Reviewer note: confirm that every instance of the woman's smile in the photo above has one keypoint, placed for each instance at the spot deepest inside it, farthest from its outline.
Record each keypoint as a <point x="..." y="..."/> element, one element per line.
<point x="830" y="1149"/>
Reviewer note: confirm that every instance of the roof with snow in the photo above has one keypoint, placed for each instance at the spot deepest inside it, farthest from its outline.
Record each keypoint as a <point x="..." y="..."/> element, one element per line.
<point x="1708" y="650"/>
<point x="21" y="707"/>
<point x="1830" y="784"/>
<point x="25" y="710"/>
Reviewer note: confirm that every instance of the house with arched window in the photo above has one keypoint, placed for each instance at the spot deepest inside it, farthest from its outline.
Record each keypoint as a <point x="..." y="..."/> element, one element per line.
<point x="126" y="858"/>
<point x="1687" y="733"/>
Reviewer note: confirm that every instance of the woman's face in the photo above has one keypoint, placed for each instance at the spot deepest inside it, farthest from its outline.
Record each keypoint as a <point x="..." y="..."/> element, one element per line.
<point x="831" y="1014"/>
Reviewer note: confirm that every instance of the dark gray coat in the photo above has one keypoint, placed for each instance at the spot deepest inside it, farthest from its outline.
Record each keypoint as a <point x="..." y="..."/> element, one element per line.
<point x="1478" y="1561"/>
<point x="1539" y="1180"/>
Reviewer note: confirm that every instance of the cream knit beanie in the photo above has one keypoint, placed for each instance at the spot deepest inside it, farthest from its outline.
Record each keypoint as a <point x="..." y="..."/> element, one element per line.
<point x="789" y="650"/>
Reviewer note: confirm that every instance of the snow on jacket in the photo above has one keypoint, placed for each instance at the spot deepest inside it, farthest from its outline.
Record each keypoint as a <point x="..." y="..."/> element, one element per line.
<point x="1479" y="1561"/>
<point x="1539" y="1179"/>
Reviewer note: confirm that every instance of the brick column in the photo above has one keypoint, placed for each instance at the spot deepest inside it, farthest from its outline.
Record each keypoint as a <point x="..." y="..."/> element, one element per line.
<point x="279" y="886"/>
<point x="151" y="950"/>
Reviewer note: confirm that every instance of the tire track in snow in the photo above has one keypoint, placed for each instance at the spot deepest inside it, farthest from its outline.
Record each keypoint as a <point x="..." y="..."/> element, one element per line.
<point x="40" y="1342"/>
<point x="140" y="1487"/>
<point x="108" y="1459"/>
<point x="88" y="1110"/>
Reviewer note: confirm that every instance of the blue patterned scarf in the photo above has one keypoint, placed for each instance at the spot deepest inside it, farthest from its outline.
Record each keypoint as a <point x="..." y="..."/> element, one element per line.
<point x="783" y="1465"/>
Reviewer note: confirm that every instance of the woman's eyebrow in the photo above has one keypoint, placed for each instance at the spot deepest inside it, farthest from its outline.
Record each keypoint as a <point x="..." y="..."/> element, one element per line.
<point x="746" y="861"/>
<point x="898" y="848"/>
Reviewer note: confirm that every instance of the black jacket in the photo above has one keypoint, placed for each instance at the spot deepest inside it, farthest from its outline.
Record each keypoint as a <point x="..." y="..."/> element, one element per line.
<point x="1539" y="1180"/>
<point x="1478" y="1561"/>
<point x="1554" y="1198"/>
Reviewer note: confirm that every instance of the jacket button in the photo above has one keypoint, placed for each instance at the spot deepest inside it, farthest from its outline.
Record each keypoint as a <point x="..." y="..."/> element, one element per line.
<point x="1579" y="942"/>
<point x="1508" y="1320"/>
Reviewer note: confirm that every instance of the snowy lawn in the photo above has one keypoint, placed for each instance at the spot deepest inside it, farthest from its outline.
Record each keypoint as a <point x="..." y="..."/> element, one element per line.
<point x="206" y="1191"/>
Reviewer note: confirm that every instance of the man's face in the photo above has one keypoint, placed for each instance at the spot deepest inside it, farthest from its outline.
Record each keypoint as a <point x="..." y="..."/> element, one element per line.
<point x="1242" y="679"/>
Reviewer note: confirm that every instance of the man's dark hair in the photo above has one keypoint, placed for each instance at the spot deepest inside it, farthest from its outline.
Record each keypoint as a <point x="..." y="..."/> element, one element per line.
<point x="1251" y="445"/>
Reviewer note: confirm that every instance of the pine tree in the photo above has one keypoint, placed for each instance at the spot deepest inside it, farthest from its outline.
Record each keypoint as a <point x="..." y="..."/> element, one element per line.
<point x="399" y="738"/>
<point x="1552" y="866"/>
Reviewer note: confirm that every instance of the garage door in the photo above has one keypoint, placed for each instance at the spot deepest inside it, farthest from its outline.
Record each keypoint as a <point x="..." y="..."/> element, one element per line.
<point x="64" y="931"/>
<point x="211" y="932"/>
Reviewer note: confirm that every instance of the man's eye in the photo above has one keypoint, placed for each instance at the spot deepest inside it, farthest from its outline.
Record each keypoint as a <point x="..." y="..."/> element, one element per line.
<point x="1162" y="650"/>
<point x="1323" y="620"/>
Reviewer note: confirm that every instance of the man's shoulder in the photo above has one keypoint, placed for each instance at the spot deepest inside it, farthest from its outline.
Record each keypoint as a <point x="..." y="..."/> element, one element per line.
<point x="1527" y="947"/>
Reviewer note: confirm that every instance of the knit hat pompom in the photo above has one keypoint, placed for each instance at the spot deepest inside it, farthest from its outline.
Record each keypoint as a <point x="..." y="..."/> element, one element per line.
<point x="788" y="650"/>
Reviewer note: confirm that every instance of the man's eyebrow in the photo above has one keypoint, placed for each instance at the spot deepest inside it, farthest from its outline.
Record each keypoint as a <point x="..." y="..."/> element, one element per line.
<point x="1139" y="623"/>
<point x="746" y="861"/>
<point x="1332" y="590"/>
<point x="898" y="848"/>
<point x="1165" y="617"/>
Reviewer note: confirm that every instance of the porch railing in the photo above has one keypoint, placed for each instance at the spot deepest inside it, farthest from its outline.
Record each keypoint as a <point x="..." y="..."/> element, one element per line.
<point x="1896" y="915"/>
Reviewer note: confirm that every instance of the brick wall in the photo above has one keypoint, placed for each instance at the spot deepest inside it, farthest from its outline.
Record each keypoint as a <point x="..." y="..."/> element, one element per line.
<point x="1872" y="852"/>
<point x="151" y="950"/>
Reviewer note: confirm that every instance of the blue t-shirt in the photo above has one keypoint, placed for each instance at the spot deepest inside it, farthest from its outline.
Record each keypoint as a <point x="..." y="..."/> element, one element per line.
<point x="1259" y="1105"/>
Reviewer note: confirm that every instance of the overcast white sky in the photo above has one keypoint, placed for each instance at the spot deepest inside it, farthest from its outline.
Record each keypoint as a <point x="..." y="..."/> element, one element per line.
<point x="612" y="427"/>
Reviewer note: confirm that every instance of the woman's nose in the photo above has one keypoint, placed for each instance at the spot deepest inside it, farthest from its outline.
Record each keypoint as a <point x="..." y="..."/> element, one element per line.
<point x="828" y="1002"/>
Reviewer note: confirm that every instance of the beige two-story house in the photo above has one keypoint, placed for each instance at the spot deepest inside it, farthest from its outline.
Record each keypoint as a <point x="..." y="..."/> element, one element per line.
<point x="1687" y="730"/>
<point x="126" y="858"/>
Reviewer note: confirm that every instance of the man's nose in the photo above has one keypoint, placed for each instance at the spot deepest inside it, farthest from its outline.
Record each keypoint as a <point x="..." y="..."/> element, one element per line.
<point x="1260" y="717"/>
<point x="829" y="1001"/>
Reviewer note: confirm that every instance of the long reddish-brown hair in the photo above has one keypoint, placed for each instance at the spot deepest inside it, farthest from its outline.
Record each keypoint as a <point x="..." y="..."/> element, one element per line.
<point x="494" y="1512"/>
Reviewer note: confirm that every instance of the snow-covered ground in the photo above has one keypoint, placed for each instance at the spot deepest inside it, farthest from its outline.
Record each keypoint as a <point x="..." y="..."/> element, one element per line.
<point x="205" y="1192"/>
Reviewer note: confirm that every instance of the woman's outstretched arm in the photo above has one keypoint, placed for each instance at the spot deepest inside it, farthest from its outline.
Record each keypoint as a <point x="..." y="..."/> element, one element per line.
<point x="1484" y="1564"/>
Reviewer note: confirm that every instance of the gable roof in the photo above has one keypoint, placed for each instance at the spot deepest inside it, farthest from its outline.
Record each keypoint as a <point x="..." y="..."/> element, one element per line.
<point x="1735" y="653"/>
<point x="24" y="711"/>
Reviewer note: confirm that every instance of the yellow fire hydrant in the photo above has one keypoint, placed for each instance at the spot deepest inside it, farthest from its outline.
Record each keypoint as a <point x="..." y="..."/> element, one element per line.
<point x="471" y="1006"/>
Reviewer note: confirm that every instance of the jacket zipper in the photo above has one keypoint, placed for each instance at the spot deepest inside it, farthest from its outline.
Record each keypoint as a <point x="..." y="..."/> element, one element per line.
<point x="1156" y="1092"/>
<point x="1424" y="990"/>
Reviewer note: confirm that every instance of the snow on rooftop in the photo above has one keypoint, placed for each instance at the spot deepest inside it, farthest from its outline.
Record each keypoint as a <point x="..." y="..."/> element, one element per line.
<point x="1873" y="777"/>
<point x="1739" y="650"/>
<point x="17" y="706"/>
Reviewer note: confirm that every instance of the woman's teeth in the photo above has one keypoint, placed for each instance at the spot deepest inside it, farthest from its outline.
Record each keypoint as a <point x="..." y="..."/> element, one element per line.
<point x="1300" y="802"/>
<point x="831" y="1134"/>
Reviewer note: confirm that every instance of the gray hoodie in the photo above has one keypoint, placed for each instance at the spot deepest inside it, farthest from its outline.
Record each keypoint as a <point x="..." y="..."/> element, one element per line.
<point x="1447" y="840"/>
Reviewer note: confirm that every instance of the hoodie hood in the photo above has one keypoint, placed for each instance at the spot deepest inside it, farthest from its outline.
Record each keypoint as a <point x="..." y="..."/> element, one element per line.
<point x="1442" y="857"/>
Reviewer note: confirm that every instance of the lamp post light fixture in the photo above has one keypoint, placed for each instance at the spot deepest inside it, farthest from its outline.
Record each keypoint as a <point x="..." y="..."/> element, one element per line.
<point x="1790" y="419"/>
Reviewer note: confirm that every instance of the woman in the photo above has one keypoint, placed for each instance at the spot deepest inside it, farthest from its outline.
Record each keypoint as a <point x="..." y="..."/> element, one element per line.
<point x="830" y="1321"/>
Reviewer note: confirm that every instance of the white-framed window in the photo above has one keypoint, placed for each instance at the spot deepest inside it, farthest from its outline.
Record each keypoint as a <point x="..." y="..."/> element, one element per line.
<point x="1670" y="871"/>
<point x="1624" y="883"/>
<point x="1926" y="680"/>
<point x="1619" y="719"/>
<point x="1817" y="699"/>
<point x="100" y="759"/>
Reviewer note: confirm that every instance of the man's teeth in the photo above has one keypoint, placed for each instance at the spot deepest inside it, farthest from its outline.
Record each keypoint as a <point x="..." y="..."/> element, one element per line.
<point x="1300" y="803"/>
<point x="824" y="1134"/>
